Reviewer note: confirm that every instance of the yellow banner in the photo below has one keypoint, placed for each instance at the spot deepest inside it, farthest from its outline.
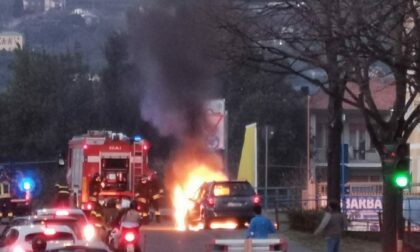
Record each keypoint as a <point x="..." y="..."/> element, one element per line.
<point x="248" y="164"/>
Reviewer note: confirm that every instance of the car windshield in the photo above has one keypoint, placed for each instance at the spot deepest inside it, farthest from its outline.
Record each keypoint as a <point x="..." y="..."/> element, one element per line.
<point x="232" y="189"/>
<point x="59" y="236"/>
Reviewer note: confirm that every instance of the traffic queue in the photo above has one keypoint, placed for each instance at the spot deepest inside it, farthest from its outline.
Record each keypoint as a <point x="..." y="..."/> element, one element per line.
<point x="111" y="223"/>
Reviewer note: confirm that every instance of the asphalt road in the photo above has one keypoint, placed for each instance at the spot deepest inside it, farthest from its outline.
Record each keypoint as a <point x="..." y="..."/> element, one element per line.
<point x="164" y="237"/>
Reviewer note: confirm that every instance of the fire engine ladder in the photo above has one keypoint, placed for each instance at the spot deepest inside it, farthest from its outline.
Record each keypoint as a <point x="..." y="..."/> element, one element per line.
<point x="138" y="164"/>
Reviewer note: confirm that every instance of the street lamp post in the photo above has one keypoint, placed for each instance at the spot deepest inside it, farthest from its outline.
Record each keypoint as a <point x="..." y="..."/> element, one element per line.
<point x="309" y="178"/>
<point x="266" y="168"/>
<point x="268" y="132"/>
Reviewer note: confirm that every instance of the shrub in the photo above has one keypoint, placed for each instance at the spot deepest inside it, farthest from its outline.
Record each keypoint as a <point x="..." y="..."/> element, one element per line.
<point x="304" y="220"/>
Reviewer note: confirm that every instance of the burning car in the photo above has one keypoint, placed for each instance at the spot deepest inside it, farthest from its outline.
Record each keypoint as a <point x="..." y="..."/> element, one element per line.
<point x="224" y="204"/>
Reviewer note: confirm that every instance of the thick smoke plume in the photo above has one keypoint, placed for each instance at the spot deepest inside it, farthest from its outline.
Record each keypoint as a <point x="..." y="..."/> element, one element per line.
<point x="173" y="41"/>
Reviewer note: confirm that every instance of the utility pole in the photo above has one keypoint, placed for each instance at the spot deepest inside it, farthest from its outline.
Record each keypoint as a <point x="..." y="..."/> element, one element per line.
<point x="266" y="168"/>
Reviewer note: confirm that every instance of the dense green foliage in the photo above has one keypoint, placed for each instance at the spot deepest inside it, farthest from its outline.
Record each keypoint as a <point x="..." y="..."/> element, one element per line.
<point x="48" y="99"/>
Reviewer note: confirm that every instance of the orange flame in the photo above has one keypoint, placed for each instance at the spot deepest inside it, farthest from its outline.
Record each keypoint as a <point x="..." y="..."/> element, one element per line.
<point x="184" y="191"/>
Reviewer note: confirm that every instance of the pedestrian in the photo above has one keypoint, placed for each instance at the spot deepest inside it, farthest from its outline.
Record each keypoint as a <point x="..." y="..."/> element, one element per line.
<point x="260" y="226"/>
<point x="332" y="225"/>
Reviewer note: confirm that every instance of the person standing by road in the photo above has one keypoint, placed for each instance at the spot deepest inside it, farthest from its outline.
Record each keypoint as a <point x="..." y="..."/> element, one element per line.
<point x="260" y="226"/>
<point x="332" y="225"/>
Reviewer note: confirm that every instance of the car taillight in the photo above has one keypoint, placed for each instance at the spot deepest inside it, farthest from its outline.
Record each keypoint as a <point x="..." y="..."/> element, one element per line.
<point x="210" y="201"/>
<point x="129" y="237"/>
<point x="87" y="206"/>
<point x="62" y="213"/>
<point x="18" y="249"/>
<point x="49" y="231"/>
<point x="256" y="200"/>
<point x="88" y="232"/>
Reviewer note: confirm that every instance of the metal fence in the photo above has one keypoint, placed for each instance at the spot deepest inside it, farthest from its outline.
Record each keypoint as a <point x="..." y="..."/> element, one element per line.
<point x="281" y="197"/>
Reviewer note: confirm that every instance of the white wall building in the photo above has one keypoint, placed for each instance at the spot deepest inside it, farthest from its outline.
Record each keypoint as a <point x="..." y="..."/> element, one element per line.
<point x="10" y="41"/>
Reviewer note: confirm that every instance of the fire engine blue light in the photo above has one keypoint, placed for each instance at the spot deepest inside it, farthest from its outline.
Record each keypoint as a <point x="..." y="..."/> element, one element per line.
<point x="26" y="184"/>
<point x="137" y="138"/>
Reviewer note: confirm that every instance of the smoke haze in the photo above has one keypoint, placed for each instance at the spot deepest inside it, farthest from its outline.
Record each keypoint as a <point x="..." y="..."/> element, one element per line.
<point x="177" y="73"/>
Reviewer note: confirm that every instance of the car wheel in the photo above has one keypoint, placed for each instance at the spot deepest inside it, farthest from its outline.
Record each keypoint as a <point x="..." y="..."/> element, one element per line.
<point x="206" y="222"/>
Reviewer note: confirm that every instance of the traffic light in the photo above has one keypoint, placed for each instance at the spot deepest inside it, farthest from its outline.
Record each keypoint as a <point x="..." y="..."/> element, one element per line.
<point x="401" y="177"/>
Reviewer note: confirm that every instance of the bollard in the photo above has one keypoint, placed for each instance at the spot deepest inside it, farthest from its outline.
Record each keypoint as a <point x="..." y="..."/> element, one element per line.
<point x="248" y="245"/>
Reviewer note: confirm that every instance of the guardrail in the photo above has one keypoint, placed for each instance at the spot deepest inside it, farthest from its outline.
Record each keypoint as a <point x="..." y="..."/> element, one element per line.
<point x="248" y="245"/>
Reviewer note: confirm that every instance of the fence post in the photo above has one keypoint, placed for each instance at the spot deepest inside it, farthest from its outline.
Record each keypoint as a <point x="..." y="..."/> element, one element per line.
<point x="381" y="228"/>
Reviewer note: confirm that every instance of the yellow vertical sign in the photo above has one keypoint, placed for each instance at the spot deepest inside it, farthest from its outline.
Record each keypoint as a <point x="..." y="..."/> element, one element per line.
<point x="248" y="164"/>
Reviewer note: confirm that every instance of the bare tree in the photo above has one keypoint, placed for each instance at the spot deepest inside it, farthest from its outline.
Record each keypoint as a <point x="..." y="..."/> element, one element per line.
<point x="343" y="39"/>
<point x="300" y="38"/>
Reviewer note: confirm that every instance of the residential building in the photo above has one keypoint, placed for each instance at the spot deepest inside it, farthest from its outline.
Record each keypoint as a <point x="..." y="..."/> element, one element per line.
<point x="10" y="41"/>
<point x="54" y="4"/>
<point x="33" y="6"/>
<point x="363" y="164"/>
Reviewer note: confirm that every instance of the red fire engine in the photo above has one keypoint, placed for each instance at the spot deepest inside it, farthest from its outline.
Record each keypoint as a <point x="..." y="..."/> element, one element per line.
<point x="119" y="160"/>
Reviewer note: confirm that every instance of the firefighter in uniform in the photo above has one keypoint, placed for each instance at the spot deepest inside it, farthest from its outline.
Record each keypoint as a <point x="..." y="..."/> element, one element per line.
<point x="95" y="188"/>
<point x="62" y="195"/>
<point x="96" y="217"/>
<point x="155" y="194"/>
<point x="142" y="197"/>
<point x="110" y="212"/>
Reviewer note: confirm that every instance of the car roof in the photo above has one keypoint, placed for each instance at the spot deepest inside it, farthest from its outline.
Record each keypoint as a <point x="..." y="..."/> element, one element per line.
<point x="54" y="217"/>
<point x="72" y="211"/>
<point x="227" y="181"/>
<point x="53" y="211"/>
<point x="39" y="228"/>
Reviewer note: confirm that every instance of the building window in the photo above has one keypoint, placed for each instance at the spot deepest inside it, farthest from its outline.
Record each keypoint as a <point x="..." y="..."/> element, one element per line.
<point x="321" y="135"/>
<point x="357" y="141"/>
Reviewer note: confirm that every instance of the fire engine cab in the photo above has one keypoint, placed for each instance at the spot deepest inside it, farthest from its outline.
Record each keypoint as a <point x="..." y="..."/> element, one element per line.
<point x="120" y="162"/>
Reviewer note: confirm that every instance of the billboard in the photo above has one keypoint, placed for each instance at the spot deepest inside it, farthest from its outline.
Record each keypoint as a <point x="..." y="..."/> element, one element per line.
<point x="363" y="212"/>
<point x="215" y="130"/>
<point x="10" y="41"/>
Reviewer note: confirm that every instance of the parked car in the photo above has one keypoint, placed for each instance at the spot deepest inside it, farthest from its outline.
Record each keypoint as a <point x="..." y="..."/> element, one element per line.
<point x="223" y="200"/>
